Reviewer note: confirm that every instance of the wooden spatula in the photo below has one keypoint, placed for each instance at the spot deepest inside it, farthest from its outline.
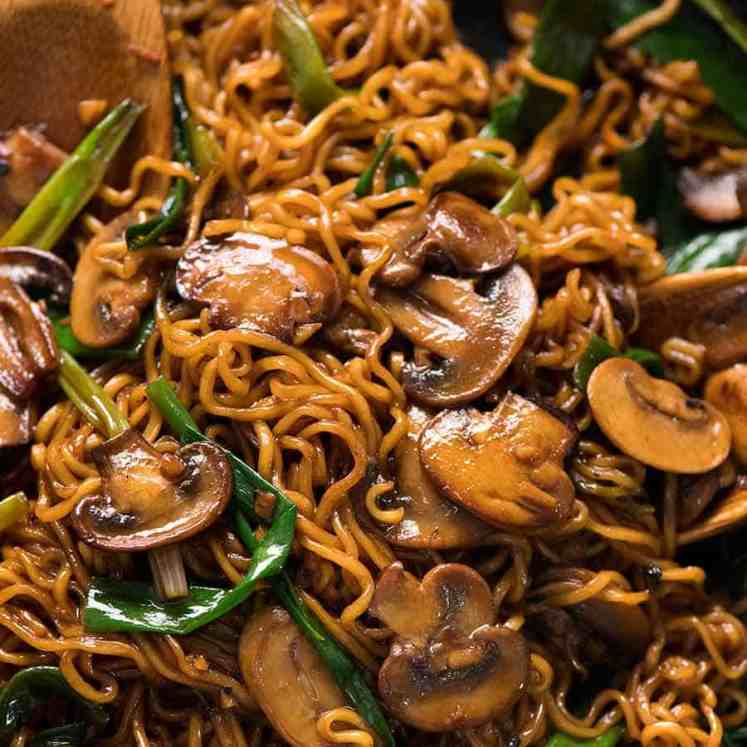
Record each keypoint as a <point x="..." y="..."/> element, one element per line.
<point x="56" y="53"/>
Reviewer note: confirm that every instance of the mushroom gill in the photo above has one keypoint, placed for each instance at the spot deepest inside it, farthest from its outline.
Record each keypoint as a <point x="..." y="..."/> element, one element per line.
<point x="449" y="667"/>
<point x="506" y="466"/>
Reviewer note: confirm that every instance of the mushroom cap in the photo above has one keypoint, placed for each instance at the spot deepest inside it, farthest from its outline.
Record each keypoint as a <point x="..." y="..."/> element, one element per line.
<point x="709" y="308"/>
<point x="27" y="266"/>
<point x="655" y="421"/>
<point x="506" y="466"/>
<point x="430" y="521"/>
<point x="105" y="309"/>
<point x="727" y="514"/>
<point x="28" y="350"/>
<point x="149" y="499"/>
<point x="452" y="229"/>
<point x="713" y="197"/>
<point x="624" y="626"/>
<point x="449" y="666"/>
<point x="258" y="282"/>
<point x="92" y="50"/>
<point x="727" y="392"/>
<point x="287" y="677"/>
<point x="476" y="335"/>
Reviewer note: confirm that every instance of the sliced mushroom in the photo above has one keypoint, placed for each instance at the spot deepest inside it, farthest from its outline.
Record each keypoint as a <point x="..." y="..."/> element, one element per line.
<point x="27" y="266"/>
<point x="697" y="492"/>
<point x="476" y="335"/>
<point x="16" y="421"/>
<point x="453" y="230"/>
<point x="713" y="197"/>
<point x="28" y="351"/>
<point x="625" y="627"/>
<point x="449" y="666"/>
<point x="287" y="677"/>
<point x="727" y="392"/>
<point x="149" y="499"/>
<point x="709" y="308"/>
<point x="253" y="281"/>
<point x="430" y="521"/>
<point x="105" y="309"/>
<point x="655" y="421"/>
<point x="506" y="466"/>
<point x="728" y="514"/>
<point x="27" y="160"/>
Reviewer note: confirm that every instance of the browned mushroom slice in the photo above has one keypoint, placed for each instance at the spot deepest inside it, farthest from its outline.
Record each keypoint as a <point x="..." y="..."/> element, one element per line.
<point x="727" y="392"/>
<point x="16" y="421"/>
<point x="476" y="335"/>
<point x="506" y="466"/>
<point x="254" y="281"/>
<point x="287" y="677"/>
<point x="655" y="421"/>
<point x="430" y="521"/>
<point x="149" y="499"/>
<point x="27" y="160"/>
<point x="708" y="307"/>
<point x="105" y="309"/>
<point x="453" y="229"/>
<point x="695" y="493"/>
<point x="449" y="666"/>
<point x="625" y="627"/>
<point x="727" y="514"/>
<point x="713" y="197"/>
<point x="27" y="266"/>
<point x="28" y="351"/>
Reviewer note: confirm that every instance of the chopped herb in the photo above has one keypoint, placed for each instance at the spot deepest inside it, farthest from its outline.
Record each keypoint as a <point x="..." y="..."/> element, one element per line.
<point x="364" y="187"/>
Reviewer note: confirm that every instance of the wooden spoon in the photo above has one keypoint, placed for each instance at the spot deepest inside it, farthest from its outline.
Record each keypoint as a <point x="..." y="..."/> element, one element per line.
<point x="56" y="53"/>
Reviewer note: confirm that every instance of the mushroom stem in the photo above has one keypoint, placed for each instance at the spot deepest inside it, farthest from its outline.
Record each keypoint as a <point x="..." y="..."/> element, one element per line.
<point x="169" y="576"/>
<point x="100" y="410"/>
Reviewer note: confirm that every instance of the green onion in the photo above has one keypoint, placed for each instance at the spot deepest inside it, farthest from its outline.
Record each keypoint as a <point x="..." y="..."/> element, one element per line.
<point x="609" y="739"/>
<point x="599" y="350"/>
<point x="118" y="606"/>
<point x="96" y="406"/>
<point x="346" y="672"/>
<point x="483" y="178"/>
<point x="729" y="21"/>
<point x="146" y="234"/>
<point x="12" y="510"/>
<point x="735" y="737"/>
<point x="516" y="200"/>
<point x="400" y="174"/>
<point x="31" y="689"/>
<point x="364" y="186"/>
<point x="310" y="80"/>
<point x="207" y="153"/>
<point x="68" y="342"/>
<point x="47" y="217"/>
